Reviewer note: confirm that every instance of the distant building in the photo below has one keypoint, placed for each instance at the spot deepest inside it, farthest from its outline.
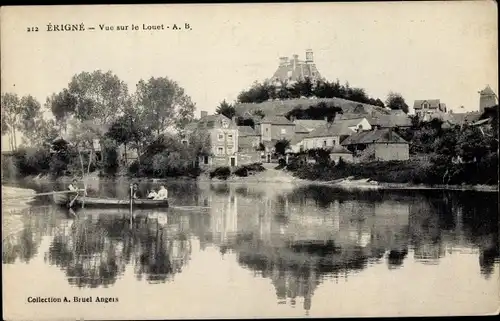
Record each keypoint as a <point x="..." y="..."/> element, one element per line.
<point x="487" y="98"/>
<point x="428" y="109"/>
<point x="291" y="70"/>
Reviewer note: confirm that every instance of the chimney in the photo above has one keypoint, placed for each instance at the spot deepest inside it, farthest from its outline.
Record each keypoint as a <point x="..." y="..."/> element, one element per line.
<point x="203" y="113"/>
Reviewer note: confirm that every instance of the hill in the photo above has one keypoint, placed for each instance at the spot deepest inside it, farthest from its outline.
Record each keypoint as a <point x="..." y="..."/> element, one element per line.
<point x="281" y="107"/>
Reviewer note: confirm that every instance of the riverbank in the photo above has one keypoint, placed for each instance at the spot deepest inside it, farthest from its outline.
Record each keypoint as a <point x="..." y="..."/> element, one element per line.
<point x="271" y="175"/>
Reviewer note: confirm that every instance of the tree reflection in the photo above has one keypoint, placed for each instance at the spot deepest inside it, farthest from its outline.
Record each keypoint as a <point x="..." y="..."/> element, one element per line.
<point x="23" y="242"/>
<point x="94" y="251"/>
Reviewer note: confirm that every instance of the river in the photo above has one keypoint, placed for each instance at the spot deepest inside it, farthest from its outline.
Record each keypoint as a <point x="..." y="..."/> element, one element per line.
<point x="260" y="250"/>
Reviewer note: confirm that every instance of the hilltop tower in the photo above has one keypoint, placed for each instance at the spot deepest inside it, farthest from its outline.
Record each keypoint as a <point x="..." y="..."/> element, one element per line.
<point x="294" y="69"/>
<point x="487" y="98"/>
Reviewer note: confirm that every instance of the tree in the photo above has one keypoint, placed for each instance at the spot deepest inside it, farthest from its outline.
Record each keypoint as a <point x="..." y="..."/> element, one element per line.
<point x="30" y="115"/>
<point x="11" y="115"/>
<point x="396" y="102"/>
<point x="63" y="106"/>
<point x="226" y="109"/>
<point x="97" y="96"/>
<point x="281" y="146"/>
<point x="163" y="103"/>
<point x="259" y="113"/>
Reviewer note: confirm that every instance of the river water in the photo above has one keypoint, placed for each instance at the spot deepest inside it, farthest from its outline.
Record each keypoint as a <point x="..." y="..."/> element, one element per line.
<point x="262" y="250"/>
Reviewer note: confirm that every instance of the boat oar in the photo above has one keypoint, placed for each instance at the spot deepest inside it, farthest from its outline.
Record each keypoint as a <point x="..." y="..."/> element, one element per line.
<point x="73" y="201"/>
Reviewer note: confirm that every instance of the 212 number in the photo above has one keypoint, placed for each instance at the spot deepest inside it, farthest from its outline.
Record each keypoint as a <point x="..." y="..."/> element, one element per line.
<point x="32" y="29"/>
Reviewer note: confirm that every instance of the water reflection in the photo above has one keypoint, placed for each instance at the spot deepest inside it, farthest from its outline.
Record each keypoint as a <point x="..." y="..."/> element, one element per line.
<point x="296" y="238"/>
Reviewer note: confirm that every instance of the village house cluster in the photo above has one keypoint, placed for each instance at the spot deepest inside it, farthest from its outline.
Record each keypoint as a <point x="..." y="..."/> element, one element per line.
<point x="360" y="133"/>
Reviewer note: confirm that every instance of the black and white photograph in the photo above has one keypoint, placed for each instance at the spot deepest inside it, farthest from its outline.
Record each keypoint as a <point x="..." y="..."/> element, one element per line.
<point x="258" y="160"/>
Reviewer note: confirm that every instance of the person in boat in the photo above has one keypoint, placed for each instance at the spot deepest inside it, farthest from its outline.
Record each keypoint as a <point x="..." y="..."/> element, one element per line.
<point x="73" y="186"/>
<point x="162" y="193"/>
<point x="152" y="194"/>
<point x="136" y="193"/>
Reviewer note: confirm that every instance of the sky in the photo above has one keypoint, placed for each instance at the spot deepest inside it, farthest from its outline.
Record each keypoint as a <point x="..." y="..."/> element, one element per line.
<point x="423" y="50"/>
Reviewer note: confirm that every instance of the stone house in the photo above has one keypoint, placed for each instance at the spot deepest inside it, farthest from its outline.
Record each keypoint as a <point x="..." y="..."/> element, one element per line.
<point x="223" y="133"/>
<point x="381" y="145"/>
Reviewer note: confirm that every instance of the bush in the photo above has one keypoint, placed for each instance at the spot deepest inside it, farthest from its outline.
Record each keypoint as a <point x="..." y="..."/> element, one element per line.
<point x="221" y="173"/>
<point x="241" y="172"/>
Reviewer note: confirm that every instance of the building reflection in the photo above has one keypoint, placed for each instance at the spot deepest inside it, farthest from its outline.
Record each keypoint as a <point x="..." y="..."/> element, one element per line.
<point x="300" y="238"/>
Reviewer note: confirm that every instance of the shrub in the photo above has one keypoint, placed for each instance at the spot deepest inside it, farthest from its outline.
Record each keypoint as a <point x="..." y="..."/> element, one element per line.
<point x="221" y="173"/>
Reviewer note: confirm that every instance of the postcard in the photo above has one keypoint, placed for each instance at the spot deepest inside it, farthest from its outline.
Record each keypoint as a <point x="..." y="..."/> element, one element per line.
<point x="267" y="160"/>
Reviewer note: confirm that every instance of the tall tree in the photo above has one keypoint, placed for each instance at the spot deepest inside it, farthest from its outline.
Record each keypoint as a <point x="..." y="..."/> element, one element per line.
<point x="98" y="96"/>
<point x="226" y="109"/>
<point x="164" y="103"/>
<point x="30" y="114"/>
<point x="11" y="111"/>
<point x="396" y="102"/>
<point x="63" y="106"/>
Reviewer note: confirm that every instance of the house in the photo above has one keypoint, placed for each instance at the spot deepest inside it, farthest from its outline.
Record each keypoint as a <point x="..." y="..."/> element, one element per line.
<point x="428" y="109"/>
<point x="382" y="145"/>
<point x="223" y="134"/>
<point x="487" y="98"/>
<point x="248" y="139"/>
<point x="292" y="70"/>
<point x="338" y="151"/>
<point x="275" y="128"/>
<point x="331" y="134"/>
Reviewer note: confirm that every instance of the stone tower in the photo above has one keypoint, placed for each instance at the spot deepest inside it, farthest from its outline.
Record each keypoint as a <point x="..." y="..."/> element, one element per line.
<point x="487" y="98"/>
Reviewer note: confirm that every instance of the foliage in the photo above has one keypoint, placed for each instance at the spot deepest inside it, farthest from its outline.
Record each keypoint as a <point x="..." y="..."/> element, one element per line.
<point x="244" y="170"/>
<point x="163" y="103"/>
<point x="396" y="102"/>
<point x="11" y="115"/>
<point x="98" y="97"/>
<point x="259" y="113"/>
<point x="260" y="92"/>
<point x="281" y="146"/>
<point x="221" y="173"/>
<point x="320" y="155"/>
<point x="63" y="106"/>
<point x="226" y="109"/>
<point x="318" y="111"/>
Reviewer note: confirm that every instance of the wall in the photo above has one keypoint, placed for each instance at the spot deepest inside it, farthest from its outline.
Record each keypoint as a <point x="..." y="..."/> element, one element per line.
<point x="486" y="101"/>
<point x="387" y="152"/>
<point x="346" y="157"/>
<point x="249" y="158"/>
<point x="265" y="132"/>
<point x="248" y="143"/>
<point x="318" y="142"/>
<point x="282" y="131"/>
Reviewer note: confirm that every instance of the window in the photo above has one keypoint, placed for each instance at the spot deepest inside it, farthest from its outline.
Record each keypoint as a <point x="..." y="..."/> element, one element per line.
<point x="221" y="137"/>
<point x="220" y="150"/>
<point x="230" y="136"/>
<point x="334" y="142"/>
<point x="283" y="130"/>
<point x="324" y="143"/>
<point x="205" y="160"/>
<point x="267" y="129"/>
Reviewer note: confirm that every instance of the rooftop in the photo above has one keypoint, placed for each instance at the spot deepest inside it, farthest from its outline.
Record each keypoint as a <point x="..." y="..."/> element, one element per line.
<point x="382" y="136"/>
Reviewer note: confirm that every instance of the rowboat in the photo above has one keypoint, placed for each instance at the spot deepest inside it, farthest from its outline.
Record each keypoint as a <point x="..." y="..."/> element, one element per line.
<point x="97" y="202"/>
